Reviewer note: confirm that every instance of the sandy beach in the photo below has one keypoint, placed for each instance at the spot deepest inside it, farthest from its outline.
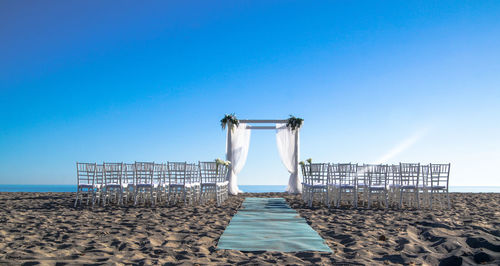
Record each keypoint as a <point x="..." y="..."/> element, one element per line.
<point x="44" y="228"/>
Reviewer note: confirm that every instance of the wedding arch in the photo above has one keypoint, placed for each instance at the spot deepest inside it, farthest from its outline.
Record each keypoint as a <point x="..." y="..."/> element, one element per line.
<point x="238" y="142"/>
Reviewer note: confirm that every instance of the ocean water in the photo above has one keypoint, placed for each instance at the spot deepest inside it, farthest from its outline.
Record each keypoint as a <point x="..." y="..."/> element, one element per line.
<point x="244" y="188"/>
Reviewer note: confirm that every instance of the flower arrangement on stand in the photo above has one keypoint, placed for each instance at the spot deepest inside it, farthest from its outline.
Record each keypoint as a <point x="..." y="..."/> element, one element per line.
<point x="294" y="122"/>
<point x="231" y="119"/>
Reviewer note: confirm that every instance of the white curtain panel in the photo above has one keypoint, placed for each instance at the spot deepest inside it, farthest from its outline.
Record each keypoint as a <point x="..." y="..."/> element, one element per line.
<point x="240" y="141"/>
<point x="289" y="152"/>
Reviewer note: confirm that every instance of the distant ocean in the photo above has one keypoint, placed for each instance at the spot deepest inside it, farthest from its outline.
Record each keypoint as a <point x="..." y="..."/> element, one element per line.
<point x="244" y="188"/>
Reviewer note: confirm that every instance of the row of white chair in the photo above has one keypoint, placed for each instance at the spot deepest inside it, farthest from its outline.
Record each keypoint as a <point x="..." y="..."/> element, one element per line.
<point x="151" y="182"/>
<point x="405" y="183"/>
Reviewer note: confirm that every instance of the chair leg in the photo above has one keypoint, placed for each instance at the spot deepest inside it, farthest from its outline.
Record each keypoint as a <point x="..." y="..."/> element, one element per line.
<point x="339" y="197"/>
<point x="355" y="198"/>
<point x="418" y="198"/>
<point x="135" y="196"/>
<point x="369" y="195"/>
<point x="77" y="194"/>
<point x="385" y="199"/>
<point x="448" y="199"/>
<point x="400" y="198"/>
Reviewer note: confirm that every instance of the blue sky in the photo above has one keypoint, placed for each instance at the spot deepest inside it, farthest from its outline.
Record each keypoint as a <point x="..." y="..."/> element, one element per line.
<point x="126" y="80"/>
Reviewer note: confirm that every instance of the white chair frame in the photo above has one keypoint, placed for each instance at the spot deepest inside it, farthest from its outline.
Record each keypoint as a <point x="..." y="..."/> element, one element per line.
<point x="317" y="182"/>
<point x="113" y="183"/>
<point x="144" y="185"/>
<point x="376" y="176"/>
<point x="409" y="180"/>
<point x="346" y="182"/>
<point x="439" y="183"/>
<point x="85" y="180"/>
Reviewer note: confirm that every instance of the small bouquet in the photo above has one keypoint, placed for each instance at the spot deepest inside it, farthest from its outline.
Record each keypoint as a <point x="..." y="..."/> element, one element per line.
<point x="218" y="162"/>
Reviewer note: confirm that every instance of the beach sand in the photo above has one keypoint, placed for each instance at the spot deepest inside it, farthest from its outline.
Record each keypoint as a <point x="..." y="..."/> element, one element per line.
<point x="45" y="228"/>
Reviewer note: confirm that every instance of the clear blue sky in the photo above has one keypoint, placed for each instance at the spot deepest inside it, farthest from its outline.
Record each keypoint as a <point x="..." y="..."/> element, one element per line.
<point x="133" y="80"/>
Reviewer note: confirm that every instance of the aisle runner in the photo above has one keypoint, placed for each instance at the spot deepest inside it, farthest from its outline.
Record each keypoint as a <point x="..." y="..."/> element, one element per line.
<point x="270" y="224"/>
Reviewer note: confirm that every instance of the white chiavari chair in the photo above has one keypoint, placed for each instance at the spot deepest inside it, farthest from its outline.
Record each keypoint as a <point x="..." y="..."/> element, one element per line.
<point x="439" y="181"/>
<point x="214" y="183"/>
<point x="317" y="182"/>
<point x="223" y="188"/>
<point x="423" y="184"/>
<point x="193" y="185"/>
<point x="376" y="176"/>
<point x="178" y="187"/>
<point x="393" y="180"/>
<point x="333" y="183"/>
<point x="346" y="180"/>
<point x="112" y="182"/>
<point x="159" y="173"/>
<point x="128" y="180"/>
<point x="144" y="185"/>
<point x="409" y="179"/>
<point x="208" y="175"/>
<point x="305" y="182"/>
<point x="362" y="183"/>
<point x="85" y="180"/>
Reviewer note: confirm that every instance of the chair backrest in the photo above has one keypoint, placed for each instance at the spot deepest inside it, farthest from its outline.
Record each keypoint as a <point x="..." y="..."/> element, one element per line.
<point x="409" y="174"/>
<point x="424" y="175"/>
<point x="176" y="172"/>
<point x="348" y="174"/>
<point x="144" y="172"/>
<point x="333" y="174"/>
<point x="192" y="173"/>
<point x="222" y="173"/>
<point x="305" y="173"/>
<point x="318" y="174"/>
<point x="99" y="175"/>
<point x="209" y="172"/>
<point x="128" y="176"/>
<point x="158" y="173"/>
<point x="376" y="174"/>
<point x="439" y="174"/>
<point x="362" y="175"/>
<point x="112" y="173"/>
<point x="85" y="173"/>
<point x="393" y="174"/>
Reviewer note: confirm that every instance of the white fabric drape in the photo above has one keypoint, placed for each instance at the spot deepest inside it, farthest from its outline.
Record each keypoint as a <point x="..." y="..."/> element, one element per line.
<point x="236" y="152"/>
<point x="288" y="148"/>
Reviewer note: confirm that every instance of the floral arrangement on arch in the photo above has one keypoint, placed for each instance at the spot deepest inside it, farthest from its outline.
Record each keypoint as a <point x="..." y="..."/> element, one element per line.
<point x="231" y="119"/>
<point x="294" y="122"/>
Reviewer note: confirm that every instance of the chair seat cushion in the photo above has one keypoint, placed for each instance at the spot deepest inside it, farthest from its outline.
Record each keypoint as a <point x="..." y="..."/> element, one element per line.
<point x="314" y="185"/>
<point x="345" y="186"/>
<point x="409" y="187"/>
<point x="188" y="185"/>
<point x="377" y="187"/>
<point x="86" y="186"/>
<point x="437" y="187"/>
<point x="219" y="184"/>
<point x="146" y="185"/>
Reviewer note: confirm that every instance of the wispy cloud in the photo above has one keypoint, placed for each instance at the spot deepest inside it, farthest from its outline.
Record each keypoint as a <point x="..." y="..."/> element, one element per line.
<point x="404" y="145"/>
